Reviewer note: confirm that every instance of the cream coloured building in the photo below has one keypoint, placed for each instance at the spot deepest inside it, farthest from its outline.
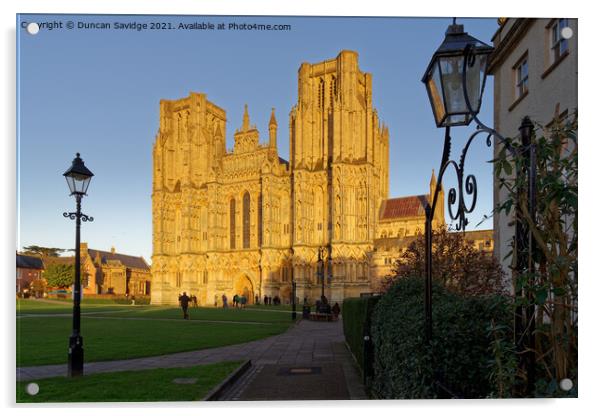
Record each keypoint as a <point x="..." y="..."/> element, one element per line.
<point x="247" y="221"/>
<point x="535" y="69"/>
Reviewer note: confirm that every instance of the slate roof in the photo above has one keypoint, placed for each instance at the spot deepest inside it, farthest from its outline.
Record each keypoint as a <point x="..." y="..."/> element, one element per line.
<point x="128" y="261"/>
<point x="29" y="262"/>
<point x="407" y="206"/>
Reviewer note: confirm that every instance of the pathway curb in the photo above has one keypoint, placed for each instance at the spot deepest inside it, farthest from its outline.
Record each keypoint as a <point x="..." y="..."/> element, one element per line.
<point x="215" y="393"/>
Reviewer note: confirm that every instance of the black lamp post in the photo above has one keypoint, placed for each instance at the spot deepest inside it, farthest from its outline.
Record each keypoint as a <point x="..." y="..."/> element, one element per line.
<point x="78" y="178"/>
<point x="294" y="297"/>
<point x="455" y="80"/>
<point x="321" y="268"/>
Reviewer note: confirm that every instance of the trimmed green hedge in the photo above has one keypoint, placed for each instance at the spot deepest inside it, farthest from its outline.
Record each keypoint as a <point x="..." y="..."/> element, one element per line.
<point x="356" y="322"/>
<point x="404" y="368"/>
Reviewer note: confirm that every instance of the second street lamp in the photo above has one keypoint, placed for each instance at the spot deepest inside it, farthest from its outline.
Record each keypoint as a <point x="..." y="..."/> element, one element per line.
<point x="294" y="298"/>
<point x="321" y="269"/>
<point x="78" y="178"/>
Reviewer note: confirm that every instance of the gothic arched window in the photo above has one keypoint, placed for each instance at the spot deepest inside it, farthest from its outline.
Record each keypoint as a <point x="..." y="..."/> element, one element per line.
<point x="246" y="220"/>
<point x="232" y="223"/>
<point x="321" y="94"/>
<point x="333" y="90"/>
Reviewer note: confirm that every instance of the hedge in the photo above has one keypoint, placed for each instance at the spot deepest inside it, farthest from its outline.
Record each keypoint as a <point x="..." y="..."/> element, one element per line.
<point x="356" y="323"/>
<point x="460" y="353"/>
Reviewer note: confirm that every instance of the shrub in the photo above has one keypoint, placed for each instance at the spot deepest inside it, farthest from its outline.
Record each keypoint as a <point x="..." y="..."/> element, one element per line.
<point x="357" y="314"/>
<point x="116" y="299"/>
<point x="457" y="264"/>
<point x="548" y="293"/>
<point x="460" y="352"/>
<point x="59" y="275"/>
<point x="104" y="299"/>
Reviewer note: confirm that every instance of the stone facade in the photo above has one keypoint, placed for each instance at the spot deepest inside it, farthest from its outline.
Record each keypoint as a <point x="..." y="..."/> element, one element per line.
<point x="246" y="221"/>
<point x="547" y="88"/>
<point x="109" y="272"/>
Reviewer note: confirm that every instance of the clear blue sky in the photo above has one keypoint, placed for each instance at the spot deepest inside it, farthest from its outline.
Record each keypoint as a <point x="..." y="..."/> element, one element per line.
<point x="97" y="92"/>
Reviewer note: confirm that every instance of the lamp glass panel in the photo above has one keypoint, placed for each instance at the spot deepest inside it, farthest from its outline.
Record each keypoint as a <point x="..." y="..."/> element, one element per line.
<point x="475" y="75"/>
<point x="78" y="183"/>
<point x="451" y="79"/>
<point x="70" y="183"/>
<point x="85" y="183"/>
<point x="436" y="93"/>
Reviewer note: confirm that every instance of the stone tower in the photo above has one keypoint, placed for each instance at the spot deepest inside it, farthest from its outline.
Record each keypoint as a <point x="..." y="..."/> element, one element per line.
<point x="340" y="173"/>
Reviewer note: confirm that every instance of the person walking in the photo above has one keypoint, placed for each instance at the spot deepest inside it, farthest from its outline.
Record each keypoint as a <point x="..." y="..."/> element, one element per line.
<point x="243" y="301"/>
<point x="225" y="301"/>
<point x="235" y="300"/>
<point x="184" y="299"/>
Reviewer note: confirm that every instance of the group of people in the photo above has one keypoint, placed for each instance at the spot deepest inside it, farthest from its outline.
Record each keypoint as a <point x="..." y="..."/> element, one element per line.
<point x="268" y="300"/>
<point x="240" y="301"/>
<point x="322" y="306"/>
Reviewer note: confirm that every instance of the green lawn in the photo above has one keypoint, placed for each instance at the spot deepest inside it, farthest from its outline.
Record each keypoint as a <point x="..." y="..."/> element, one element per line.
<point x="209" y="314"/>
<point x="129" y="386"/>
<point x="109" y="335"/>
<point x="30" y="306"/>
<point x="281" y="307"/>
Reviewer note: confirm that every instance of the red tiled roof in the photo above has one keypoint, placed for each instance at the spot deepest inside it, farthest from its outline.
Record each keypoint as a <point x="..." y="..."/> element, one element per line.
<point x="408" y="206"/>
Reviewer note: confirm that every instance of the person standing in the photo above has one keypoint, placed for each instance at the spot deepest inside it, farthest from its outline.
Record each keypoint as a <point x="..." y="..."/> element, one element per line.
<point x="243" y="301"/>
<point x="235" y="301"/>
<point x="336" y="310"/>
<point x="184" y="304"/>
<point x="225" y="301"/>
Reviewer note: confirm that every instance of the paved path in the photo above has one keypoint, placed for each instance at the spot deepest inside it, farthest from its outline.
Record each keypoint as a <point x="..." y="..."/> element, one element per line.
<point x="307" y="344"/>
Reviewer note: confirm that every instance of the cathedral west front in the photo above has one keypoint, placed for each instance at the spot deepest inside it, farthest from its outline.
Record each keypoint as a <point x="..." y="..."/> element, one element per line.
<point x="247" y="221"/>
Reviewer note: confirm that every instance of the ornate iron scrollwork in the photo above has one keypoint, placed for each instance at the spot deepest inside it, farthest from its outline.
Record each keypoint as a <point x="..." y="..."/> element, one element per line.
<point x="466" y="190"/>
<point x="74" y="215"/>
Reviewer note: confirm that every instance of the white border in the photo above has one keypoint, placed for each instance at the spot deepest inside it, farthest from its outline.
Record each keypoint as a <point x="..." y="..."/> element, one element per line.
<point x="591" y="290"/>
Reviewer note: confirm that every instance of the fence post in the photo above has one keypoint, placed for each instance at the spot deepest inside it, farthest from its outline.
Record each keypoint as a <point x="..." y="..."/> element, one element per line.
<point x="524" y="246"/>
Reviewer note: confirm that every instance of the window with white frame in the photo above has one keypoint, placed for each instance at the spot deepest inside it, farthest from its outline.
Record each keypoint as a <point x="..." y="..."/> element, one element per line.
<point x="558" y="44"/>
<point x="521" y="71"/>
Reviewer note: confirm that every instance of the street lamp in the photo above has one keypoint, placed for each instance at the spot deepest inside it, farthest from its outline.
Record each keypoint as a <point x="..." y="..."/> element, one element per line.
<point x="294" y="297"/>
<point x="78" y="178"/>
<point x="455" y="77"/>
<point x="455" y="80"/>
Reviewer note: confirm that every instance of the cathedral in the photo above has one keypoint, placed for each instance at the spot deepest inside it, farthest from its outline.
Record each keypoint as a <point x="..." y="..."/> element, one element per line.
<point x="246" y="221"/>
